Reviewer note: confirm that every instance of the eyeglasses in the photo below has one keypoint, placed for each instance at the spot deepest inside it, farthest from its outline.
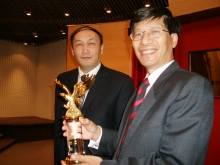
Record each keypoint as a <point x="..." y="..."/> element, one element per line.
<point x="152" y="33"/>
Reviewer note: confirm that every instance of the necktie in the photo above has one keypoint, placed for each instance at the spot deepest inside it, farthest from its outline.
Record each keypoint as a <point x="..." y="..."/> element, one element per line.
<point x="83" y="77"/>
<point x="83" y="96"/>
<point x="137" y="102"/>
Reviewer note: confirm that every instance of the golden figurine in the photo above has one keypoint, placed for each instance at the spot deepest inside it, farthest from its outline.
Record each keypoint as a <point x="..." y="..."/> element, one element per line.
<point x="73" y="100"/>
<point x="73" y="113"/>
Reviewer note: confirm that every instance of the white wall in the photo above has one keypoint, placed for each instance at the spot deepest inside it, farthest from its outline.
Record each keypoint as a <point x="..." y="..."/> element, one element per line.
<point x="51" y="62"/>
<point x="27" y="76"/>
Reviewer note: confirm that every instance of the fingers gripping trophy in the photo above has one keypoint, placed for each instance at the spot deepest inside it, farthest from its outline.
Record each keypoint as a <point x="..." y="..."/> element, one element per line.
<point x="73" y="114"/>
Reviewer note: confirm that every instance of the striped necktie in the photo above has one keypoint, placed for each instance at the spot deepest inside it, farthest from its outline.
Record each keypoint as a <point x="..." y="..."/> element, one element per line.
<point x="137" y="102"/>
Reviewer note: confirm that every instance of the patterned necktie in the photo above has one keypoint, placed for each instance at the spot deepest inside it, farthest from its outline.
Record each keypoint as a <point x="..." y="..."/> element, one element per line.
<point x="137" y="102"/>
<point x="83" y="77"/>
<point x="83" y="96"/>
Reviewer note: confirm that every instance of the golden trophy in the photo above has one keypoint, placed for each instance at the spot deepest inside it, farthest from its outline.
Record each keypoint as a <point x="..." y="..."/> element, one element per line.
<point x="72" y="116"/>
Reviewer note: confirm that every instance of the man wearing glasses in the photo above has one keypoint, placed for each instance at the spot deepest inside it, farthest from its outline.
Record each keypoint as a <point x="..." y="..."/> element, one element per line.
<point x="173" y="121"/>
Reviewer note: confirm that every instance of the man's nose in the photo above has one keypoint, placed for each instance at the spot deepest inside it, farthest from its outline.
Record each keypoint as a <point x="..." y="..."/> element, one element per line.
<point x="85" y="49"/>
<point x="146" y="39"/>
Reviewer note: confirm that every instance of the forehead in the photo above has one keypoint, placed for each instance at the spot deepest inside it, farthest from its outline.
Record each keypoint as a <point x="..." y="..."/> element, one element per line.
<point x="149" y="23"/>
<point x="85" y="35"/>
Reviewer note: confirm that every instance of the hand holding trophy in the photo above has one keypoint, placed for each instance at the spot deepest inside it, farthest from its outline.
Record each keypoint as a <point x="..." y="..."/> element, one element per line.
<point x="73" y="114"/>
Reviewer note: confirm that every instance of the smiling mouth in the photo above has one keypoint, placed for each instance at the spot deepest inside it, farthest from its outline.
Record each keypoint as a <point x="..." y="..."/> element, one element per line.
<point x="148" y="51"/>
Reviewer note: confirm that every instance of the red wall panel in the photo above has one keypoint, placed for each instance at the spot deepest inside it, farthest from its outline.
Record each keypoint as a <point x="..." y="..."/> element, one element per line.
<point x="202" y="35"/>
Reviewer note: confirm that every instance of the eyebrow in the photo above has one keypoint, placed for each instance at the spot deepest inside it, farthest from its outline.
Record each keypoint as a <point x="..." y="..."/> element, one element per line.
<point x="91" y="39"/>
<point x="150" y="27"/>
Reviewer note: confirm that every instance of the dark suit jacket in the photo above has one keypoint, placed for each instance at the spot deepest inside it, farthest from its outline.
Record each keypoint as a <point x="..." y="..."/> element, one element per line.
<point x="172" y="126"/>
<point x="104" y="104"/>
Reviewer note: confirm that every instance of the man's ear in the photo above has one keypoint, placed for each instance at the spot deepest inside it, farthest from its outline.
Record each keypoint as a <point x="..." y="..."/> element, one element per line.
<point x="102" y="48"/>
<point x="174" y="38"/>
<point x="72" y="50"/>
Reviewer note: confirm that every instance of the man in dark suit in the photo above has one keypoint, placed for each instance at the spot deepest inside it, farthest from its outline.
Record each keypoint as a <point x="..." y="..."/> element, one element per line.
<point x="105" y="101"/>
<point x="173" y="123"/>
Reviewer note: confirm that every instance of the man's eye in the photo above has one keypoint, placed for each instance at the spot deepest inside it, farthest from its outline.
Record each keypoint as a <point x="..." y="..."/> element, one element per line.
<point x="154" y="31"/>
<point x="138" y="34"/>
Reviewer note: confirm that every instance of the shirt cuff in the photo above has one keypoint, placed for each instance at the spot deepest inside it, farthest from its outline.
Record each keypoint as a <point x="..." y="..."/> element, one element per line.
<point x="95" y="144"/>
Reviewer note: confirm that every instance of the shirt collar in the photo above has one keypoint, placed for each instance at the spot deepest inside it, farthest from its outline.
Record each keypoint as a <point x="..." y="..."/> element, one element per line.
<point x="153" y="76"/>
<point x="91" y="72"/>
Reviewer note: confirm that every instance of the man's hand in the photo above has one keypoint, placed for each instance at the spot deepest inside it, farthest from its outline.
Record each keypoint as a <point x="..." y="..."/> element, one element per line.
<point x="85" y="159"/>
<point x="89" y="129"/>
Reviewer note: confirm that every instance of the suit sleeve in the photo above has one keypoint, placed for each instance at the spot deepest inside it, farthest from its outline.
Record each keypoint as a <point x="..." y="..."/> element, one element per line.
<point x="186" y="130"/>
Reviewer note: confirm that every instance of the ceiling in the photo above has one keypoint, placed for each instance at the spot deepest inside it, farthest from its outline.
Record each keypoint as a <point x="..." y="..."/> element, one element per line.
<point x="47" y="18"/>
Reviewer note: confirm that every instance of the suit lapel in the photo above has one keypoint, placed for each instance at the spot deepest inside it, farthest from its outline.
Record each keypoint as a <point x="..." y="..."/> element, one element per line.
<point x="99" y="83"/>
<point x="146" y="105"/>
<point x="164" y="77"/>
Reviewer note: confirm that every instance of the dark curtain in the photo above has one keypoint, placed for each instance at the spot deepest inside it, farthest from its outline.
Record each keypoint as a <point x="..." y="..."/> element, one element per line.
<point x="138" y="71"/>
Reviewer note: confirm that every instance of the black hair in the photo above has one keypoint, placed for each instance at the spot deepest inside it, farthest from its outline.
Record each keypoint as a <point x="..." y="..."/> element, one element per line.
<point x="86" y="28"/>
<point x="153" y="13"/>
